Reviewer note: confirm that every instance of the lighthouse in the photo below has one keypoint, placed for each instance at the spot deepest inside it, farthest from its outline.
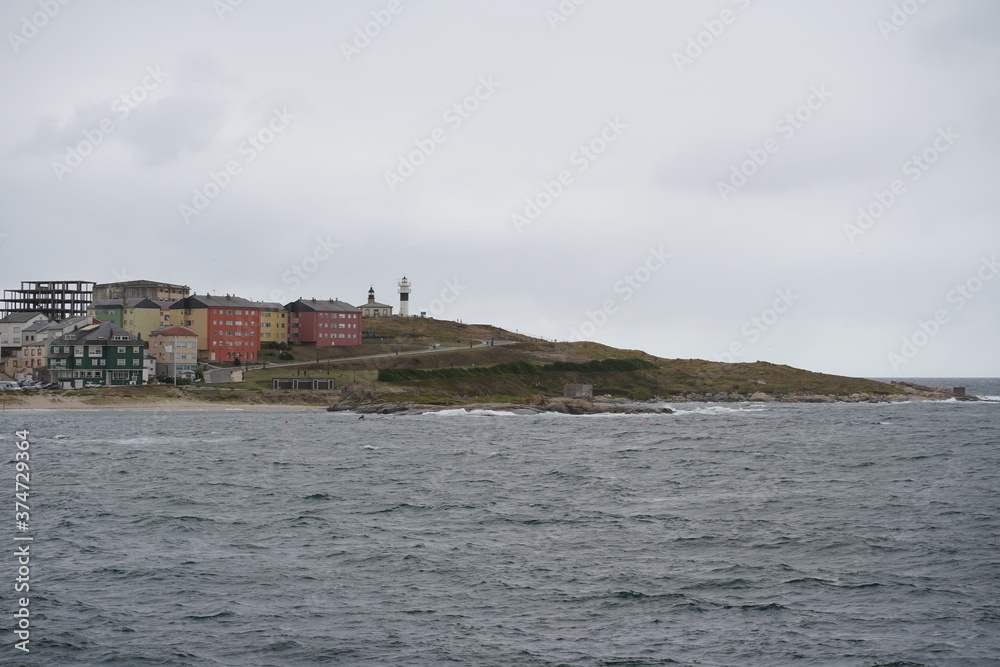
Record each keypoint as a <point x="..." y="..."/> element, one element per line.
<point x="404" y="297"/>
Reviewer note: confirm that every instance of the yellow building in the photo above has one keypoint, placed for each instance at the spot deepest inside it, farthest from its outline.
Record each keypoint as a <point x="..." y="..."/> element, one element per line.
<point x="273" y="323"/>
<point x="140" y="317"/>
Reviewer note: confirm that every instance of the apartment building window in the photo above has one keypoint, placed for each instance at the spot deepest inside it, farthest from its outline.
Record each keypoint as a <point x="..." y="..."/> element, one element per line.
<point x="121" y="362"/>
<point x="121" y="349"/>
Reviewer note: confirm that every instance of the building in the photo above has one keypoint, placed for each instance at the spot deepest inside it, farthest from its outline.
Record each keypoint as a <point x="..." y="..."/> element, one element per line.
<point x="228" y="327"/>
<point x="323" y="323"/>
<point x="57" y="300"/>
<point x="404" y="297"/>
<point x="140" y="316"/>
<point x="30" y="361"/>
<point x="27" y="363"/>
<point x="141" y="289"/>
<point x="12" y="325"/>
<point x="96" y="355"/>
<point x="175" y="350"/>
<point x="273" y="323"/>
<point x="373" y="308"/>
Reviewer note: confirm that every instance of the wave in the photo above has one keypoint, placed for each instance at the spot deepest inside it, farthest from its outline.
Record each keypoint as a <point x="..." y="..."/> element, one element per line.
<point x="716" y="409"/>
<point x="462" y="412"/>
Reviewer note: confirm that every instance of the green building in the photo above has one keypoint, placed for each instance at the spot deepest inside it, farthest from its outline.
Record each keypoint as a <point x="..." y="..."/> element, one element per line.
<point x="97" y="355"/>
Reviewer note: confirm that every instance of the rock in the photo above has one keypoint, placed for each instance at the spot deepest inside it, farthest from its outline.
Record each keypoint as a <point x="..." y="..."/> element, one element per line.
<point x="759" y="396"/>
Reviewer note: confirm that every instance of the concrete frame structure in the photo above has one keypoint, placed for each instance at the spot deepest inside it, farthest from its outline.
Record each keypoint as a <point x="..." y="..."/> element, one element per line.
<point x="57" y="300"/>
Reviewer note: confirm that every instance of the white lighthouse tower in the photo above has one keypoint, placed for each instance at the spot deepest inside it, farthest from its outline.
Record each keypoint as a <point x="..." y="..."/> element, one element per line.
<point x="404" y="297"/>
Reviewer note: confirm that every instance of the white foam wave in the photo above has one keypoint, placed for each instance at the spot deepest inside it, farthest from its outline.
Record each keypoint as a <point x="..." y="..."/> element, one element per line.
<point x="462" y="412"/>
<point x="990" y="399"/>
<point x="718" y="409"/>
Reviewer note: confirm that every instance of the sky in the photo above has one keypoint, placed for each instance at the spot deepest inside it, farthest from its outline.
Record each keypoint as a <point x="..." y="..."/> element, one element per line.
<point x="810" y="184"/>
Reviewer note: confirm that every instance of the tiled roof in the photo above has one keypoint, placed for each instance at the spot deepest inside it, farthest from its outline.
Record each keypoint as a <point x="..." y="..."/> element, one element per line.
<point x="20" y="317"/>
<point x="96" y="334"/>
<point x="173" y="331"/>
<point x="205" y="301"/>
<point x="327" y="305"/>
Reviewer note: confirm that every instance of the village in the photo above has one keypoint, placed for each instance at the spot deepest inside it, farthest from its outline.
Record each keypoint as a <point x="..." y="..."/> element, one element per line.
<point x="79" y="334"/>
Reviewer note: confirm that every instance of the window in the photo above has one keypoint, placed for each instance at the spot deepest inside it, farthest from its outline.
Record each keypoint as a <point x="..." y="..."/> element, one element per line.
<point x="135" y="349"/>
<point x="135" y="362"/>
<point x="121" y="349"/>
<point x="119" y="375"/>
<point x="121" y="362"/>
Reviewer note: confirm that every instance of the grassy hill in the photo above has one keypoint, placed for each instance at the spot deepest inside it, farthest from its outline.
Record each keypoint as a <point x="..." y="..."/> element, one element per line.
<point x="522" y="367"/>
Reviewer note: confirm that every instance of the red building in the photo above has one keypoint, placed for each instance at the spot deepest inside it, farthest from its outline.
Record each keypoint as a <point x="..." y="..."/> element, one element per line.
<point x="323" y="323"/>
<point x="228" y="327"/>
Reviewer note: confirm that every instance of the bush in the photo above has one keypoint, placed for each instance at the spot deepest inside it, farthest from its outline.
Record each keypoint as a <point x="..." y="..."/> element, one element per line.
<point x="513" y="368"/>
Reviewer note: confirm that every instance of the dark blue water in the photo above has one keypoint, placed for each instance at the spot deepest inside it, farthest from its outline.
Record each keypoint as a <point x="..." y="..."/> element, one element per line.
<point x="721" y="535"/>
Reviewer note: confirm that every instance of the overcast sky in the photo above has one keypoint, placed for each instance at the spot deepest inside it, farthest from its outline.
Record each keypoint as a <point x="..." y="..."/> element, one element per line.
<point x="679" y="177"/>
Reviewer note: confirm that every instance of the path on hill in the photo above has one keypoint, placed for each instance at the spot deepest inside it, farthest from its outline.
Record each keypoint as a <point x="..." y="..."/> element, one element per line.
<point x="218" y="374"/>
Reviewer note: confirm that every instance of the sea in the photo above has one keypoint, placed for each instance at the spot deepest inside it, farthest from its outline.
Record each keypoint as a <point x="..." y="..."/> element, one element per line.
<point x="724" y="534"/>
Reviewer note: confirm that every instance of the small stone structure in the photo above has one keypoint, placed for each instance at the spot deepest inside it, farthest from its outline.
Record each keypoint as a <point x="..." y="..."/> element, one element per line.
<point x="578" y="391"/>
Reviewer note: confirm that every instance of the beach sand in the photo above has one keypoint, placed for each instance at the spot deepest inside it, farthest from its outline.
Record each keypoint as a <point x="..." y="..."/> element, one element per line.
<point x="41" y="401"/>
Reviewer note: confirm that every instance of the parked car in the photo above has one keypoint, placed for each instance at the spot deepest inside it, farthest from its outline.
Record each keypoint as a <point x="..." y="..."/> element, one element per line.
<point x="10" y="386"/>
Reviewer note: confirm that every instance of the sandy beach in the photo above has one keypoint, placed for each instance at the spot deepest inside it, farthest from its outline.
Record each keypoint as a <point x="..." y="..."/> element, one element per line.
<point x="40" y="401"/>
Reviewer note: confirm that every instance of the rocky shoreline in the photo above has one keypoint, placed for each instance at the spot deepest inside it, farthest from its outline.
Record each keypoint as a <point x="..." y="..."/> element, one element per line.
<point x="610" y="405"/>
<point x="567" y="406"/>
